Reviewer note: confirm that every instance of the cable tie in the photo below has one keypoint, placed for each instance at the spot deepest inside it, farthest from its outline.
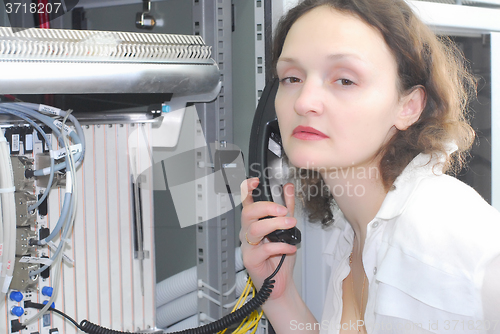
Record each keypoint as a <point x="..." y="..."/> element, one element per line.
<point x="61" y="153"/>
<point x="202" y="284"/>
<point x="230" y="305"/>
<point x="7" y="190"/>
<point x="201" y="294"/>
<point x="62" y="126"/>
<point x="65" y="257"/>
<point x="225" y="294"/>
<point x="205" y="317"/>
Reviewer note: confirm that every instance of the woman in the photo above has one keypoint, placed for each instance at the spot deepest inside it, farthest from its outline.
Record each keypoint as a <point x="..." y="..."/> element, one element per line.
<point x="374" y="106"/>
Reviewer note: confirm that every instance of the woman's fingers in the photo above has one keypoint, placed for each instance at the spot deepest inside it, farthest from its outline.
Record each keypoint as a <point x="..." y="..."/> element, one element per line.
<point x="259" y="229"/>
<point x="246" y="188"/>
<point x="258" y="210"/>
<point x="289" y="193"/>
<point x="261" y="254"/>
<point x="261" y="218"/>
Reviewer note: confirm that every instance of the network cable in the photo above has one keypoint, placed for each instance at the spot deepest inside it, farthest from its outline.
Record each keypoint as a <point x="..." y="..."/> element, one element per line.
<point x="252" y="321"/>
<point x="47" y="140"/>
<point x="245" y="313"/>
<point x="212" y="328"/>
<point x="72" y="152"/>
<point x="67" y="226"/>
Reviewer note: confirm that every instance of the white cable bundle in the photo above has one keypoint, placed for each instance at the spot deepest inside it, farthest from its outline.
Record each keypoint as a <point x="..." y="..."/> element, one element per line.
<point x="185" y="282"/>
<point x="190" y="322"/>
<point x="177" y="310"/>
<point x="176" y="286"/>
<point x="176" y="296"/>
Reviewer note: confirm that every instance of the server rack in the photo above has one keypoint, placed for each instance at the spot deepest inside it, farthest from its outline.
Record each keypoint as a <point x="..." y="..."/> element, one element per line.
<point x="215" y="123"/>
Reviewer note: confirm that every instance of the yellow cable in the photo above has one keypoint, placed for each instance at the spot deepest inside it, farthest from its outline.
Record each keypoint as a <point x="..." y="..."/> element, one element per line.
<point x="252" y="321"/>
<point x="247" y="324"/>
<point x="242" y="297"/>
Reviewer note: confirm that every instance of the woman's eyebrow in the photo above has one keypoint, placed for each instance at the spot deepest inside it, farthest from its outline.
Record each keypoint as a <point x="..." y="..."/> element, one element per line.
<point x="333" y="56"/>
<point x="287" y="60"/>
<point x="342" y="56"/>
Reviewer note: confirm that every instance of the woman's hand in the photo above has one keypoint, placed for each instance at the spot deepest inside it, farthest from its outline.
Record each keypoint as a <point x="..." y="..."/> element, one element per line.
<point x="260" y="256"/>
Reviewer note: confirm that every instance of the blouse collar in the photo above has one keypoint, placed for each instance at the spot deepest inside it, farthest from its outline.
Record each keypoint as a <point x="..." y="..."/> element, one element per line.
<point x="406" y="183"/>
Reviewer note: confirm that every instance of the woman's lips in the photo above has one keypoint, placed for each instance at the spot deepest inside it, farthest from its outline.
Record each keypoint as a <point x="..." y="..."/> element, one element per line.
<point x="308" y="133"/>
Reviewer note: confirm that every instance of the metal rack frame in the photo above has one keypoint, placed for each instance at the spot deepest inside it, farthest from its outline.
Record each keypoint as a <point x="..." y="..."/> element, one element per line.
<point x="215" y="238"/>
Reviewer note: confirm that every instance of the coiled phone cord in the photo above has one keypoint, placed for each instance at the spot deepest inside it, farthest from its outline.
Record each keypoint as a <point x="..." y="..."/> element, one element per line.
<point x="211" y="328"/>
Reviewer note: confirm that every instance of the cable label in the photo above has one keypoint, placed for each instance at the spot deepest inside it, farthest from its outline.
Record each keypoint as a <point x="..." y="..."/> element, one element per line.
<point x="60" y="126"/>
<point x="29" y="142"/>
<point x="61" y="153"/>
<point x="49" y="110"/>
<point x="46" y="171"/>
<point x="15" y="143"/>
<point x="49" y="138"/>
<point x="36" y="260"/>
<point x="69" y="184"/>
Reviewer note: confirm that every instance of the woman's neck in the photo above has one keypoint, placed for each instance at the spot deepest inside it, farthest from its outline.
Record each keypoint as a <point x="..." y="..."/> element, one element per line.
<point x="359" y="193"/>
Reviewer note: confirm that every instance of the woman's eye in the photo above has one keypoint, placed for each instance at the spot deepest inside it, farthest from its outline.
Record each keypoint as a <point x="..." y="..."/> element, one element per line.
<point x="290" y="80"/>
<point x="345" y="82"/>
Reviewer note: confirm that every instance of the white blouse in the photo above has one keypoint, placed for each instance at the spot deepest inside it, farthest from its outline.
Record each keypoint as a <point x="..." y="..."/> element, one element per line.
<point x="425" y="256"/>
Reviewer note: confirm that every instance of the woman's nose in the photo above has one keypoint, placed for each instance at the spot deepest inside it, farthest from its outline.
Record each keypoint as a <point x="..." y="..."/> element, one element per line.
<point x="310" y="99"/>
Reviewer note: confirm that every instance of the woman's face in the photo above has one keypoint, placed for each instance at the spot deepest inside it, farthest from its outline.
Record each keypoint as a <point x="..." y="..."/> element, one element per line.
<point x="337" y="101"/>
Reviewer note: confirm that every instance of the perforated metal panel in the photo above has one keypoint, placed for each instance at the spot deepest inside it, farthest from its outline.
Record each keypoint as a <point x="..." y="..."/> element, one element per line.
<point x="215" y="237"/>
<point x="109" y="283"/>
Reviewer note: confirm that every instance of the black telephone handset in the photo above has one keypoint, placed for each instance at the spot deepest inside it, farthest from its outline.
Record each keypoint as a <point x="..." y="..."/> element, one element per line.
<point x="266" y="160"/>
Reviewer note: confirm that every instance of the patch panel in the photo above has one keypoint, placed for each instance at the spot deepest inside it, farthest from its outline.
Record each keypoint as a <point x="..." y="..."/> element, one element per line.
<point x="29" y="226"/>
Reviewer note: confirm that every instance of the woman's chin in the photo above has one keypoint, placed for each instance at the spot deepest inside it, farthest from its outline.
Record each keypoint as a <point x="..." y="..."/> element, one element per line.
<point x="305" y="161"/>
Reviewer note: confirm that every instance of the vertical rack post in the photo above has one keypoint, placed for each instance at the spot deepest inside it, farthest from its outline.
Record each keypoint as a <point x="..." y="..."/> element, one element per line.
<point x="495" y="121"/>
<point x="260" y="49"/>
<point x="215" y="237"/>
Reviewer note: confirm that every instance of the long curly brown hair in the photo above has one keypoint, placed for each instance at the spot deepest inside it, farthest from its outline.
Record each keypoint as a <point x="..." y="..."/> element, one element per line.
<point x="423" y="59"/>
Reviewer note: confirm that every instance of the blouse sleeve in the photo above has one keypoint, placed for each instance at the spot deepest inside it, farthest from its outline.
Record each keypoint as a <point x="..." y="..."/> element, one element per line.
<point x="439" y="264"/>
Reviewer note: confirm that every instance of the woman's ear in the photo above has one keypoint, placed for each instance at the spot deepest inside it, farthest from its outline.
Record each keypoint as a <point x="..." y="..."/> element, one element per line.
<point x="412" y="106"/>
